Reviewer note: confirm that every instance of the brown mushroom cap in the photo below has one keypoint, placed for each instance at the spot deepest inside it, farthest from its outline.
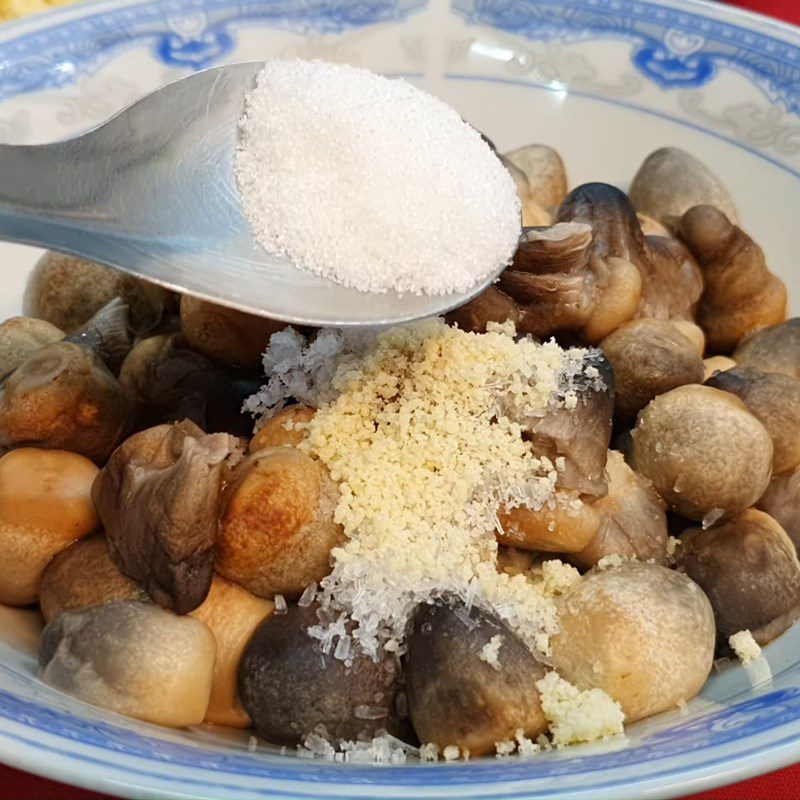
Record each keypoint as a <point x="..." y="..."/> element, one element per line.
<point x="774" y="400"/>
<point x="781" y="501"/>
<point x="740" y="294"/>
<point x="703" y="451"/>
<point x="226" y="334"/>
<point x="748" y="567"/>
<point x="633" y="523"/>
<point x="68" y="291"/>
<point x="63" y="398"/>
<point x="775" y="349"/>
<point x="641" y="632"/>
<point x="568" y="527"/>
<point x="289" y="686"/>
<point x="544" y="172"/>
<point x="158" y="498"/>
<point x="670" y="181"/>
<point x="277" y="528"/>
<point x="515" y="561"/>
<point x="456" y="696"/>
<point x="21" y="337"/>
<point x="84" y="575"/>
<point x="282" y="429"/>
<point x="132" y="658"/>
<point x="232" y="614"/>
<point x="45" y="506"/>
<point x="649" y="357"/>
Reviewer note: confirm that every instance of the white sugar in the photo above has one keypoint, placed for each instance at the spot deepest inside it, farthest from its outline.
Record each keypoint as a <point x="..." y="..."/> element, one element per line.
<point x="372" y="182"/>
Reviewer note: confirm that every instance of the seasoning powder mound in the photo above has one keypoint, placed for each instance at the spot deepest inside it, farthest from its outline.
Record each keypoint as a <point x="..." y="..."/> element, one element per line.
<point x="421" y="438"/>
<point x="372" y="182"/>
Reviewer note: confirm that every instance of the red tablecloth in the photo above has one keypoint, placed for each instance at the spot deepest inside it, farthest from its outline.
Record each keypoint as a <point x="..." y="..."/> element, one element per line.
<point x="783" y="785"/>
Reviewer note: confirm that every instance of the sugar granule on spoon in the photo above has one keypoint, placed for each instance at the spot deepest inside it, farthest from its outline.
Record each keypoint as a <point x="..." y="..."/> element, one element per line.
<point x="371" y="182"/>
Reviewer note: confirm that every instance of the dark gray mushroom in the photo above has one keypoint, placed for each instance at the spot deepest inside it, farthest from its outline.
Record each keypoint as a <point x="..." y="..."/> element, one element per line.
<point x="291" y="687"/>
<point x="158" y="498"/>
<point x="68" y="292"/>
<point x="63" y="397"/>
<point x="748" y="567"/>
<point x="132" y="658"/>
<point x="641" y="632"/>
<point x="775" y="349"/>
<point x="589" y="273"/>
<point x="740" y="294"/>
<point x="649" y="357"/>
<point x="774" y="400"/>
<point x="108" y="333"/>
<point x="470" y="681"/>
<point x="170" y="382"/>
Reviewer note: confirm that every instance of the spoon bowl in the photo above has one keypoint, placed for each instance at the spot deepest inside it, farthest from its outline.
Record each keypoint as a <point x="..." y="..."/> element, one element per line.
<point x="153" y="192"/>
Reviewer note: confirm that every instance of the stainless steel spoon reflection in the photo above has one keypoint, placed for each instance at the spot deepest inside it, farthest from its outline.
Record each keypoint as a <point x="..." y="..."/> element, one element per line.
<point x="152" y="192"/>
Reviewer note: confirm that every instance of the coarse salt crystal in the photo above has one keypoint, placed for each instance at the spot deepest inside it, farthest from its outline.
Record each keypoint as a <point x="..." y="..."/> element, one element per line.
<point x="335" y="166"/>
<point x="280" y="604"/>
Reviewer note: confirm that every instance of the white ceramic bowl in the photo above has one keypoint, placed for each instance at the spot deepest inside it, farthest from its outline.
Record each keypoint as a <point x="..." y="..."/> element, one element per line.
<point x="604" y="81"/>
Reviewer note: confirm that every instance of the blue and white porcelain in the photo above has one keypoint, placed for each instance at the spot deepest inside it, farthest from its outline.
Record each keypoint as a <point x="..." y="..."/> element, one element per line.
<point x="605" y="82"/>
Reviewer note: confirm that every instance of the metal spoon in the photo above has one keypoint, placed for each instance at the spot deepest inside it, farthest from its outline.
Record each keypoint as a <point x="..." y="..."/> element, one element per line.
<point x="152" y="192"/>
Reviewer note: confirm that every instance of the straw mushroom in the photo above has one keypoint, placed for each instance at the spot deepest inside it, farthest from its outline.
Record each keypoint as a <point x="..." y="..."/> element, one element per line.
<point x="226" y="334"/>
<point x="741" y="295"/>
<point x="132" y="658"/>
<point x="704" y="452"/>
<point x="774" y="349"/>
<point x="782" y="502"/>
<point x="276" y="527"/>
<point x="108" y="334"/>
<point x="232" y="614"/>
<point x="774" y="400"/>
<point x="670" y="181"/>
<point x="63" y="398"/>
<point x="576" y="438"/>
<point x="170" y="382"/>
<point x="158" y="498"/>
<point x="290" y="686"/>
<point x="84" y="575"/>
<point x="45" y="506"/>
<point x="748" y="567"/>
<point x="68" y="292"/>
<point x="533" y="213"/>
<point x="287" y="428"/>
<point x="470" y="681"/>
<point x="544" y="173"/>
<point x="632" y="524"/>
<point x="641" y="632"/>
<point x="716" y="364"/>
<point x="21" y="337"/>
<point x="649" y="357"/>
